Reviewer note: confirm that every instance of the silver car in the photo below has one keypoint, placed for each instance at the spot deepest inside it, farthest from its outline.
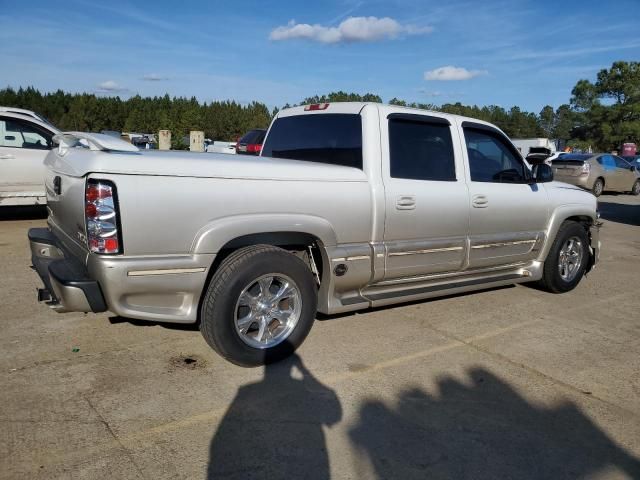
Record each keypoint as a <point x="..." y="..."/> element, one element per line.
<point x="597" y="172"/>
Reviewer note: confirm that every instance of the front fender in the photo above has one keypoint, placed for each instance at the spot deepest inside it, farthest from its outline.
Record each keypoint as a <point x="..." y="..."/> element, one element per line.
<point x="561" y="214"/>
<point x="214" y="235"/>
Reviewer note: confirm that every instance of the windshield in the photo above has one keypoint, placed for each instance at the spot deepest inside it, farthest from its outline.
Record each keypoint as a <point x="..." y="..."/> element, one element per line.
<point x="333" y="138"/>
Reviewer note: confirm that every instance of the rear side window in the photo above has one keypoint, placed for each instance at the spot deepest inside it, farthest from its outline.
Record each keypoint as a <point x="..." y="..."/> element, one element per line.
<point x="421" y="151"/>
<point x="333" y="138"/>
<point x="491" y="159"/>
<point x="607" y="161"/>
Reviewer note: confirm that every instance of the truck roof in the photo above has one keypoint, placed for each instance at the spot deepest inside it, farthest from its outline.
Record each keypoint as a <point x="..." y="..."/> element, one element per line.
<point x="356" y="107"/>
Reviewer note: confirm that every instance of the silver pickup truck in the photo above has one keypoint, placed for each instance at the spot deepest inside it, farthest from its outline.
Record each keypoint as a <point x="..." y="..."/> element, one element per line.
<point x="349" y="206"/>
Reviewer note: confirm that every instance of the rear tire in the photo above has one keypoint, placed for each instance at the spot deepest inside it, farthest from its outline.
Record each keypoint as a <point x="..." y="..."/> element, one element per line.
<point x="635" y="190"/>
<point x="259" y="306"/>
<point x="598" y="187"/>
<point x="567" y="259"/>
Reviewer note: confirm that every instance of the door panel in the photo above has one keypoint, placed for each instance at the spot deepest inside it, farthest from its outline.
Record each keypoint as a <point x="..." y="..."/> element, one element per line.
<point x="626" y="178"/>
<point x="426" y="198"/>
<point x="508" y="216"/>
<point x="23" y="148"/>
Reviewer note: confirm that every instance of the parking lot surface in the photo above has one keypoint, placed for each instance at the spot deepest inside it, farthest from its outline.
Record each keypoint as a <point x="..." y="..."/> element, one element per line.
<point x="506" y="383"/>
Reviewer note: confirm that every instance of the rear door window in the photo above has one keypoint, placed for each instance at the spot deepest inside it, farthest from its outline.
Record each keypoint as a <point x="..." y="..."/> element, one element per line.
<point x="333" y="138"/>
<point x="607" y="162"/>
<point x="421" y="151"/>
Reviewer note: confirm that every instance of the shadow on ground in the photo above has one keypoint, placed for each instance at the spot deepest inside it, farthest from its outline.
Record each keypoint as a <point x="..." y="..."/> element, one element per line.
<point x="29" y="212"/>
<point x="620" y="213"/>
<point x="482" y="429"/>
<point x="274" y="428"/>
<point x="115" y="320"/>
<point x="478" y="429"/>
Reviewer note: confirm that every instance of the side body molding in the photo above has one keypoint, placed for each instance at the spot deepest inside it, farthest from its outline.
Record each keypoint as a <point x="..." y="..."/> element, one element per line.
<point x="214" y="235"/>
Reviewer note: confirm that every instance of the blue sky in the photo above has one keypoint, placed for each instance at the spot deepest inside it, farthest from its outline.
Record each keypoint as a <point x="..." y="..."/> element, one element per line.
<point x="520" y="52"/>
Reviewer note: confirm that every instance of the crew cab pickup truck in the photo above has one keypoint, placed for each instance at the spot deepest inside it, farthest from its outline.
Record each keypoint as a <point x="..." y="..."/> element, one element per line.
<point x="349" y="206"/>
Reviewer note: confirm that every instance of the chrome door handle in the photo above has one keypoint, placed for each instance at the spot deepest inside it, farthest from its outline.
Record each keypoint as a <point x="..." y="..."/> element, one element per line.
<point x="480" y="201"/>
<point x="406" y="202"/>
<point x="6" y="157"/>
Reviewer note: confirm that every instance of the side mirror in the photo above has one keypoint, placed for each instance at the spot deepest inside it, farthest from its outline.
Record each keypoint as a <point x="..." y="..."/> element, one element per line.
<point x="633" y="168"/>
<point x="542" y="173"/>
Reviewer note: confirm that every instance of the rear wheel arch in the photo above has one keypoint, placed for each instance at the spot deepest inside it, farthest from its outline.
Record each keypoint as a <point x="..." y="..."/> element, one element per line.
<point x="298" y="243"/>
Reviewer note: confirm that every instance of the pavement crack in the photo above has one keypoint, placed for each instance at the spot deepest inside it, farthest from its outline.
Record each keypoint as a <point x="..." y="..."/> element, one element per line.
<point x="115" y="437"/>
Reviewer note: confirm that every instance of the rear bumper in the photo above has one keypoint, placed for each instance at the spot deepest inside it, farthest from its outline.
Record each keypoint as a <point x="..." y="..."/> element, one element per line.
<point x="164" y="288"/>
<point x="67" y="285"/>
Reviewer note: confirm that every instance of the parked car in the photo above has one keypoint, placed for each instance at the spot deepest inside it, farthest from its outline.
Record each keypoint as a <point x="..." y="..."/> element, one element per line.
<point x="27" y="113"/>
<point x="597" y="172"/>
<point x="25" y="141"/>
<point x="222" y="147"/>
<point x="352" y="205"/>
<point x="251" y="142"/>
<point x="539" y="155"/>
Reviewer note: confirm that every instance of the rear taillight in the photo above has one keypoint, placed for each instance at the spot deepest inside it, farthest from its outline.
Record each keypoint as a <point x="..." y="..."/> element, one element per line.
<point x="254" y="148"/>
<point x="101" y="214"/>
<point x="586" y="168"/>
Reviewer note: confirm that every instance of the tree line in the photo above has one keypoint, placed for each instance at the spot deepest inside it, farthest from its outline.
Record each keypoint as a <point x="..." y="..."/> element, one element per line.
<point x="600" y="115"/>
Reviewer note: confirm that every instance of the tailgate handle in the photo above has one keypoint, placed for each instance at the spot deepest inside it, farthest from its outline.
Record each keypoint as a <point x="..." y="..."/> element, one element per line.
<point x="57" y="185"/>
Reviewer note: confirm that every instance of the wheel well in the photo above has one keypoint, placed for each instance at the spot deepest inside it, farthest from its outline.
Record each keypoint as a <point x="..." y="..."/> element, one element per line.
<point x="295" y="242"/>
<point x="600" y="178"/>
<point x="584" y="220"/>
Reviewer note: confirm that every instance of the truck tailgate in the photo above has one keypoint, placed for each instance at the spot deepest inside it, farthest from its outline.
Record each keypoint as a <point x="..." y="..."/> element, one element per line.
<point x="65" y="203"/>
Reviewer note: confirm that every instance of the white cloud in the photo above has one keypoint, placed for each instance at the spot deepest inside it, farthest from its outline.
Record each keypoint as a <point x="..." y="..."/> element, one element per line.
<point x="450" y="72"/>
<point x="154" y="77"/>
<point x="353" y="29"/>
<point x="110" y="86"/>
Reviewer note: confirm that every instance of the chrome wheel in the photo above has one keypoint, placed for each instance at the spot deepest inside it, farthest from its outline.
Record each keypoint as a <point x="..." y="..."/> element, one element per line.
<point x="268" y="310"/>
<point x="570" y="259"/>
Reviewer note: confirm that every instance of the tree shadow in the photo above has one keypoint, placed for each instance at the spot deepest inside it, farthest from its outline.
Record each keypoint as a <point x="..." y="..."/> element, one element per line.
<point x="274" y="428"/>
<point x="485" y="430"/>
<point x="620" y="213"/>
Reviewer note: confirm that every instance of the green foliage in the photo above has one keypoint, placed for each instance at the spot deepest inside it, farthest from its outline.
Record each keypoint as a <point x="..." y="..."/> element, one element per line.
<point x="602" y="115"/>
<point x="607" y="113"/>
<point x="224" y="120"/>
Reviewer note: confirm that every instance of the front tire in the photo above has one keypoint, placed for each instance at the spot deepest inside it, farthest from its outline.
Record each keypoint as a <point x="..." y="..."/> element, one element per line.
<point x="635" y="190"/>
<point x="567" y="259"/>
<point x="259" y="306"/>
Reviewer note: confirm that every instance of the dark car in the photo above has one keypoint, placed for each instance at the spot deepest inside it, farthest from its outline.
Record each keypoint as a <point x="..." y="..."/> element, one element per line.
<point x="251" y="142"/>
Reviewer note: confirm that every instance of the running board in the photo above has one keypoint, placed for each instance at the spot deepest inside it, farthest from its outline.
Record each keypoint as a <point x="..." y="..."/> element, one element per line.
<point x="413" y="289"/>
<point x="374" y="297"/>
